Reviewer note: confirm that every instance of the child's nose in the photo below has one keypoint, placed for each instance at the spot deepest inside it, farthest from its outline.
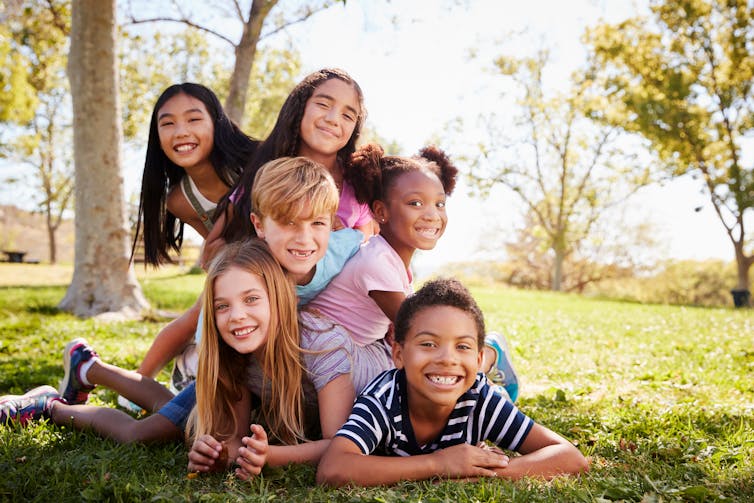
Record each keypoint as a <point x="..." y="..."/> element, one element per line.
<point x="237" y="312"/>
<point x="181" y="129"/>
<point x="447" y="354"/>
<point x="303" y="233"/>
<point x="431" y="212"/>
<point x="332" y="116"/>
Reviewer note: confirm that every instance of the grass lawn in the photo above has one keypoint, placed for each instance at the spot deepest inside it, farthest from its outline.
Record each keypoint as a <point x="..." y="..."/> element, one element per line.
<point x="660" y="398"/>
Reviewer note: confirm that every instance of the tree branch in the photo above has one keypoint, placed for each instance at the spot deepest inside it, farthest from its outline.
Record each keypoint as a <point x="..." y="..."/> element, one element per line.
<point x="187" y="22"/>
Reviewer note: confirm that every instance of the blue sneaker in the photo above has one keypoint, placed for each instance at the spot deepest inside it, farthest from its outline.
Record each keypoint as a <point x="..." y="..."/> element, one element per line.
<point x="76" y="353"/>
<point x="503" y="364"/>
<point x="35" y="404"/>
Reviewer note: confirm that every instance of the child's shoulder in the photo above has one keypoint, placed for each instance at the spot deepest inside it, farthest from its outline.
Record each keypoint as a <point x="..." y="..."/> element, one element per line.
<point x="384" y="384"/>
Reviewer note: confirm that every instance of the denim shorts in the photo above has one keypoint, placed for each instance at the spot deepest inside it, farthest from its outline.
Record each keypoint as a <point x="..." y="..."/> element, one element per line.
<point x="178" y="409"/>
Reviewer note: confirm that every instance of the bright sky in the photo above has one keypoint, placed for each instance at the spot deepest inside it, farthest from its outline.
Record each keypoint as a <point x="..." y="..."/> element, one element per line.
<point x="412" y="59"/>
<point x="417" y="75"/>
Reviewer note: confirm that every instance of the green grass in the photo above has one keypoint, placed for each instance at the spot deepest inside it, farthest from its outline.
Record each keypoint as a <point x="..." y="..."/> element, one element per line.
<point x="661" y="398"/>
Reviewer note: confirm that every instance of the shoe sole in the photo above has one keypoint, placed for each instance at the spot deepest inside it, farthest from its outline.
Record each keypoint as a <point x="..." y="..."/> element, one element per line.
<point x="67" y="363"/>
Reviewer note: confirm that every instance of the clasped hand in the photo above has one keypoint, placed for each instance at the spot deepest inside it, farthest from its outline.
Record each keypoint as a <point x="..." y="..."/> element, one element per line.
<point x="210" y="455"/>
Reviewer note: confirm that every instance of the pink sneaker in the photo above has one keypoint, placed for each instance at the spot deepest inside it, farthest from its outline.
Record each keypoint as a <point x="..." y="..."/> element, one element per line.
<point x="76" y="353"/>
<point x="35" y="404"/>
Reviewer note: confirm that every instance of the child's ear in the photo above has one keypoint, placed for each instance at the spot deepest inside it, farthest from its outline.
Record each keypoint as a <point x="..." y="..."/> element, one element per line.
<point x="257" y="223"/>
<point x="480" y="358"/>
<point x="379" y="210"/>
<point x="398" y="355"/>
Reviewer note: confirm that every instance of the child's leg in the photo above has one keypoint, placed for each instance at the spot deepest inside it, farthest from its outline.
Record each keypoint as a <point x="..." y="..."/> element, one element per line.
<point x="497" y="356"/>
<point x="142" y="390"/>
<point x="115" y="424"/>
<point x="170" y="341"/>
<point x="84" y="370"/>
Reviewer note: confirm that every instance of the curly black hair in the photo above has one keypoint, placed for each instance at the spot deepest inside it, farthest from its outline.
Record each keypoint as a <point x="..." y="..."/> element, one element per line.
<point x="372" y="174"/>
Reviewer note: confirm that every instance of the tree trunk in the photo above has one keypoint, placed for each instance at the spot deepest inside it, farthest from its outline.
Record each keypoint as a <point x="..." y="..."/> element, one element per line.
<point x="246" y="50"/>
<point x="742" y="294"/>
<point x="51" y="238"/>
<point x="103" y="278"/>
<point x="557" y="273"/>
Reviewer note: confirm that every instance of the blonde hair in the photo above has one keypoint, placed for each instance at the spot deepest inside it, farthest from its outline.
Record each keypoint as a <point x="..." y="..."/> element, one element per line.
<point x="284" y="187"/>
<point x="222" y="370"/>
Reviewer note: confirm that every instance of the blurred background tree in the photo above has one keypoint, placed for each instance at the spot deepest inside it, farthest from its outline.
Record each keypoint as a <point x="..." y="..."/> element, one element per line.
<point x="683" y="78"/>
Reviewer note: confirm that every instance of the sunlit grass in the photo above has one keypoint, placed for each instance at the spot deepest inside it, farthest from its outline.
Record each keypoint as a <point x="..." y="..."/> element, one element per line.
<point x="661" y="398"/>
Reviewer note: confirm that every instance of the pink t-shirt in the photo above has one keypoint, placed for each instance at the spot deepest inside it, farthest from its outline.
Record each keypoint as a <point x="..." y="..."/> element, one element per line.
<point x="352" y="213"/>
<point x="346" y="299"/>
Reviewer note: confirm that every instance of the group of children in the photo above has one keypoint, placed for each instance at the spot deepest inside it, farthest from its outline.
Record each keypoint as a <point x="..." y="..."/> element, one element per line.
<point x="311" y="345"/>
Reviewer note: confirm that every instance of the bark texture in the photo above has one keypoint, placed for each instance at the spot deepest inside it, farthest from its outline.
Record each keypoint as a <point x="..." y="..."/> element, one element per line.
<point x="103" y="279"/>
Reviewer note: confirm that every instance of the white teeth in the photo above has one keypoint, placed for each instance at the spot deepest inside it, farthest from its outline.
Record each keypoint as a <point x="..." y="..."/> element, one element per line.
<point x="430" y="233"/>
<point x="299" y="253"/>
<point x="443" y="379"/>
<point x="184" y="148"/>
<point x="243" y="331"/>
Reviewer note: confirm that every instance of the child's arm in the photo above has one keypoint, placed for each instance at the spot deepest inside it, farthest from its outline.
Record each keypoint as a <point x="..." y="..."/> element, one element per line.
<point x="545" y="454"/>
<point x="389" y="302"/>
<point x="177" y="204"/>
<point x="170" y="341"/>
<point x="367" y="229"/>
<point x="344" y="463"/>
<point x="214" y="241"/>
<point x="335" y="401"/>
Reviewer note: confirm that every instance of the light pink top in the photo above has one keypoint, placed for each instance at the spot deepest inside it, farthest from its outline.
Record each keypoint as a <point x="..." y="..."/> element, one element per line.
<point x="346" y="299"/>
<point x="352" y="213"/>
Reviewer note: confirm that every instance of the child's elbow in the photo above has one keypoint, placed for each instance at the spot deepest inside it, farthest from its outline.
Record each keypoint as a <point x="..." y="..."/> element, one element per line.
<point x="579" y="464"/>
<point x="327" y="475"/>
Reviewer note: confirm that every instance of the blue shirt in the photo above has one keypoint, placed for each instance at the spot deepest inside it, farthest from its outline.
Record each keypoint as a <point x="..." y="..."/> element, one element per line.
<point x="343" y="244"/>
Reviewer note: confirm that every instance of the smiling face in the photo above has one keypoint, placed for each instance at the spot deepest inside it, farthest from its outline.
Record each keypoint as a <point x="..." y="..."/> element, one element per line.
<point x="441" y="357"/>
<point x="186" y="131"/>
<point x="329" y="120"/>
<point x="413" y="216"/>
<point x="242" y="310"/>
<point x="297" y="244"/>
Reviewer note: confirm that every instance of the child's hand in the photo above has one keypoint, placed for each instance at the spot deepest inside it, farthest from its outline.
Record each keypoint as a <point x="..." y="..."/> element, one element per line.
<point x="466" y="460"/>
<point x="253" y="455"/>
<point x="206" y="455"/>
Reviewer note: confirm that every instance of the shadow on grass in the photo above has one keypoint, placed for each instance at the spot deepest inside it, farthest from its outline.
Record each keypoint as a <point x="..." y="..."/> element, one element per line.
<point x="19" y="375"/>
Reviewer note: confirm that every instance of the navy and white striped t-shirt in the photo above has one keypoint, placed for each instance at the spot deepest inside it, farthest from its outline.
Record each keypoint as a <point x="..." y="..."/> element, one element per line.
<point x="380" y="422"/>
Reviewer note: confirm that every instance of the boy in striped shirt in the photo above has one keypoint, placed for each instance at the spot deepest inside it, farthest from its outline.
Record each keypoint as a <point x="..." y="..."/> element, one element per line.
<point x="432" y="415"/>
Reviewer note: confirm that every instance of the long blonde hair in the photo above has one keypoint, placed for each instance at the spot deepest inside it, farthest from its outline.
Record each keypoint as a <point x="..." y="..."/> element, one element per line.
<point x="222" y="370"/>
<point x="283" y="187"/>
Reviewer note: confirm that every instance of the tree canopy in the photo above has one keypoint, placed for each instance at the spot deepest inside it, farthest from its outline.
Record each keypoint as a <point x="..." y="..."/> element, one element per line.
<point x="683" y="78"/>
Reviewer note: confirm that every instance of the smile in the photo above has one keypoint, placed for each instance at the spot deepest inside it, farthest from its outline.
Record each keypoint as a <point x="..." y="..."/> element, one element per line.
<point x="329" y="132"/>
<point x="429" y="233"/>
<point x="301" y="253"/>
<point x="443" y="380"/>
<point x="185" y="147"/>
<point x="243" y="332"/>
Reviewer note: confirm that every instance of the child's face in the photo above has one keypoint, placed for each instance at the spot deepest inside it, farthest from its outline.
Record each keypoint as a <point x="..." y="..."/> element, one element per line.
<point x="186" y="131"/>
<point x="414" y="214"/>
<point x="440" y="355"/>
<point x="297" y="245"/>
<point x="242" y="310"/>
<point x="329" y="119"/>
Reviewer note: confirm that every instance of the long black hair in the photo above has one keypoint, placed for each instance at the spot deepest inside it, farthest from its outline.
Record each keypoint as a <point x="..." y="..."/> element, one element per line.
<point x="285" y="141"/>
<point x="231" y="151"/>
